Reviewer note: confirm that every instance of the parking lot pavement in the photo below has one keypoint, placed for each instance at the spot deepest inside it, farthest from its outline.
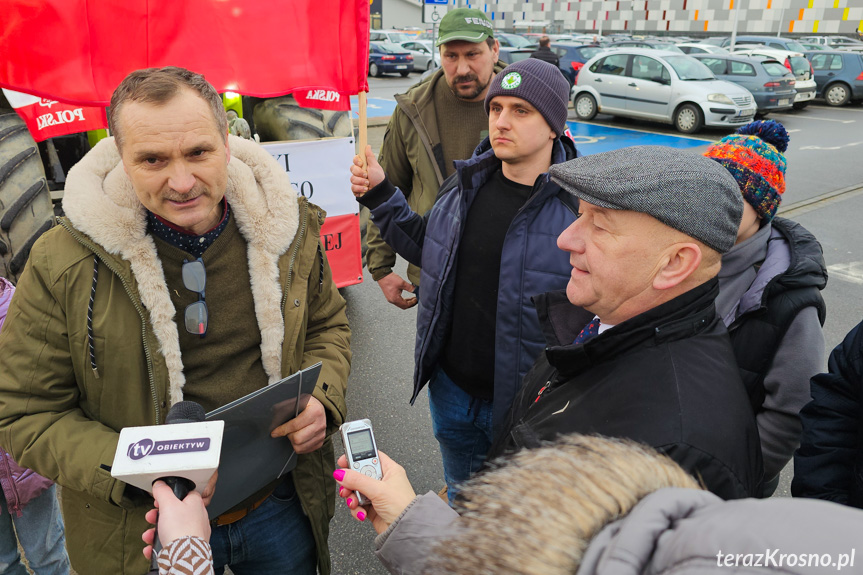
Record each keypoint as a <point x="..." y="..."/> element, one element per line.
<point x="593" y="138"/>
<point x="822" y="157"/>
<point x="375" y="108"/>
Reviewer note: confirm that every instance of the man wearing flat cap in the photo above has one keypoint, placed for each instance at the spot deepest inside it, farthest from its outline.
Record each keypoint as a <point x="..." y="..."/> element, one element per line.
<point x="635" y="347"/>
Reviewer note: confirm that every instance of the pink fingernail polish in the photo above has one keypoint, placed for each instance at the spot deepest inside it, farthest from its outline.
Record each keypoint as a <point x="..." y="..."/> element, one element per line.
<point x="361" y="516"/>
<point x="349" y="501"/>
<point x="339" y="474"/>
<point x="340" y="491"/>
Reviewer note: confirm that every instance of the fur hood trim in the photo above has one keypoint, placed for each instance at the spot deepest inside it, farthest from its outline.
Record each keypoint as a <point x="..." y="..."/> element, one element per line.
<point x="99" y="201"/>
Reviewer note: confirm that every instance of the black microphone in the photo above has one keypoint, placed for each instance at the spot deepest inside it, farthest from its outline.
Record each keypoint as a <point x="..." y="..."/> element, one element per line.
<point x="180" y="412"/>
<point x="183" y="412"/>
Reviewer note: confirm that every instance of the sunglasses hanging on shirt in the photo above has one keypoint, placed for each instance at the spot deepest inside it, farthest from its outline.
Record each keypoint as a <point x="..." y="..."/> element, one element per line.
<point x="195" y="280"/>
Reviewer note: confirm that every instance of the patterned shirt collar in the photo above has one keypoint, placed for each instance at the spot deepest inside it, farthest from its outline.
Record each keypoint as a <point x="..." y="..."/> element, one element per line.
<point x="184" y="240"/>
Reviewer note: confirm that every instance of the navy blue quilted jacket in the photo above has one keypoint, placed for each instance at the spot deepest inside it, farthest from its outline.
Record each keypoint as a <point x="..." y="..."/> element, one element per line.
<point x="531" y="264"/>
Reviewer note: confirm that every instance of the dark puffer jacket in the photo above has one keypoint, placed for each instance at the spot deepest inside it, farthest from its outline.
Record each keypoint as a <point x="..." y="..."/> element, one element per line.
<point x="666" y="378"/>
<point x="770" y="300"/>
<point x="829" y="463"/>
<point x="531" y="264"/>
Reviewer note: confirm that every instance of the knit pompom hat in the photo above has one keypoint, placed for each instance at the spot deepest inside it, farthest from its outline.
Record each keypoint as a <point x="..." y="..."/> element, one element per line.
<point x="754" y="157"/>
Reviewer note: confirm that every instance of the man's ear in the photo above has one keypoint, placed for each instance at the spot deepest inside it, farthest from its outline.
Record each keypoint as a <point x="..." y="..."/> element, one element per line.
<point x="679" y="262"/>
<point x="496" y="50"/>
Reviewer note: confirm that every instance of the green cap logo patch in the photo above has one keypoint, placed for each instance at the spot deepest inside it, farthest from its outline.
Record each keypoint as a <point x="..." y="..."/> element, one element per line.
<point x="511" y="81"/>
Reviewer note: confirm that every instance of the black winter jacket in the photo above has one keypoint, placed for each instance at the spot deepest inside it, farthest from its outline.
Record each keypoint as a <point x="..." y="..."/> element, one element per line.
<point x="546" y="55"/>
<point x="666" y="378"/>
<point x="773" y="302"/>
<point x="829" y="463"/>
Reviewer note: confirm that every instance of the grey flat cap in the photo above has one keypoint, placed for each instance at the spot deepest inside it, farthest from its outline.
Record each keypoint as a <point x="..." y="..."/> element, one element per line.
<point x="685" y="191"/>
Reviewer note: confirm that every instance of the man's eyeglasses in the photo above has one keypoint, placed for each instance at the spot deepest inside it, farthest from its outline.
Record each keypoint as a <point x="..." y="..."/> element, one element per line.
<point x="195" y="279"/>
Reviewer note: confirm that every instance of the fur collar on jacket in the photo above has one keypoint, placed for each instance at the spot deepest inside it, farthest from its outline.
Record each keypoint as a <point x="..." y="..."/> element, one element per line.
<point x="99" y="201"/>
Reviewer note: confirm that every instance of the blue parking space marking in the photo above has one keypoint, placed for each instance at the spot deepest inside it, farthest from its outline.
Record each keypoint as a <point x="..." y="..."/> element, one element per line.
<point x="376" y="107"/>
<point x="593" y="139"/>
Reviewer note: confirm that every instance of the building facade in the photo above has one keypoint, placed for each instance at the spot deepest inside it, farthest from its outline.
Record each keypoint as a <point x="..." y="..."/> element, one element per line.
<point x="675" y="16"/>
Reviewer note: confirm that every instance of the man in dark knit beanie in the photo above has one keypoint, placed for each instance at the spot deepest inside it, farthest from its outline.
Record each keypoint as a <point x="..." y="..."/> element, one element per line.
<point x="486" y="247"/>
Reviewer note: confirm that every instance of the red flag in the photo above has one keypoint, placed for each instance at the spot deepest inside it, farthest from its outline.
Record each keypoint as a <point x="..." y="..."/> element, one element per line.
<point x="323" y="99"/>
<point x="50" y="118"/>
<point x="78" y="51"/>
<point x="340" y="236"/>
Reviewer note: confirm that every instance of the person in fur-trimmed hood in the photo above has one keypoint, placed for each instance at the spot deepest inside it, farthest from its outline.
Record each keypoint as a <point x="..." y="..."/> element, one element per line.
<point x="591" y="505"/>
<point x="185" y="269"/>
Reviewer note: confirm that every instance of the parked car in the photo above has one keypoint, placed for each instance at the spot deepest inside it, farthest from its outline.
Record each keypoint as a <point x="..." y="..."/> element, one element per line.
<point x="714" y="41"/>
<point x="510" y="55"/>
<point x="424" y="54"/>
<point x="507" y="40"/>
<point x="386" y="57"/>
<point x="573" y="56"/>
<point x="649" y="44"/>
<point x="535" y="36"/>
<point x="699" y="48"/>
<point x="393" y="36"/>
<point x="768" y="42"/>
<point x="797" y="63"/>
<point x="769" y="82"/>
<point x="585" y="39"/>
<point x="813" y="47"/>
<point x="835" y="42"/>
<point x="838" y="76"/>
<point x="659" y="85"/>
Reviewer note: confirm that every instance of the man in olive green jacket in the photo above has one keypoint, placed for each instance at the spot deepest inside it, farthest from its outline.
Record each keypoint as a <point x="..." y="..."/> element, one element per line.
<point x="95" y="339"/>
<point x="438" y="120"/>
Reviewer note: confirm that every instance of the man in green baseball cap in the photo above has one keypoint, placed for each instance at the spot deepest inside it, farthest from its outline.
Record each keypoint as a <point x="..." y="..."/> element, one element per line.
<point x="436" y="122"/>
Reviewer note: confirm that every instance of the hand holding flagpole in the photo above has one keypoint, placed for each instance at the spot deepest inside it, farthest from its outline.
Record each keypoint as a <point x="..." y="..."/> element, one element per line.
<point x="364" y="132"/>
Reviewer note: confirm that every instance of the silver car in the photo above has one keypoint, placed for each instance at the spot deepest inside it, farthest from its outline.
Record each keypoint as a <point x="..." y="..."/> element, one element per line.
<point x="662" y="86"/>
<point x="426" y="57"/>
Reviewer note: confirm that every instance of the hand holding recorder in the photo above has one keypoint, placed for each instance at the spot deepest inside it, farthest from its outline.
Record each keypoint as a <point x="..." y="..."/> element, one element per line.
<point x="371" y="483"/>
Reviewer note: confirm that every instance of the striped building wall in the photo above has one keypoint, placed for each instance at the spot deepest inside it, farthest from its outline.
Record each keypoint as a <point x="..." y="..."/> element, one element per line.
<point x="681" y="16"/>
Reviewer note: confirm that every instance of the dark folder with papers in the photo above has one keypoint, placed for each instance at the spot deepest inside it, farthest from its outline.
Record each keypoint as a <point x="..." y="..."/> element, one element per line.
<point x="251" y="459"/>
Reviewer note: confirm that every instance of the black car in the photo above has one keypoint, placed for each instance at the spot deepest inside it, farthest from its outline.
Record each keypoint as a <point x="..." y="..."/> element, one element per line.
<point x="838" y="75"/>
<point x="513" y="41"/>
<point x="511" y="55"/>
<point x="385" y="57"/>
<point x="573" y="56"/>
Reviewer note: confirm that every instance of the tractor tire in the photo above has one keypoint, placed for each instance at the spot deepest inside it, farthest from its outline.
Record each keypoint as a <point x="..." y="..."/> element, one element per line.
<point x="281" y="119"/>
<point x="25" y="202"/>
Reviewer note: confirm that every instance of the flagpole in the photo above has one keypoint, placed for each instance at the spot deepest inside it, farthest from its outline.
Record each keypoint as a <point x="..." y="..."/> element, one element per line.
<point x="364" y="132"/>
